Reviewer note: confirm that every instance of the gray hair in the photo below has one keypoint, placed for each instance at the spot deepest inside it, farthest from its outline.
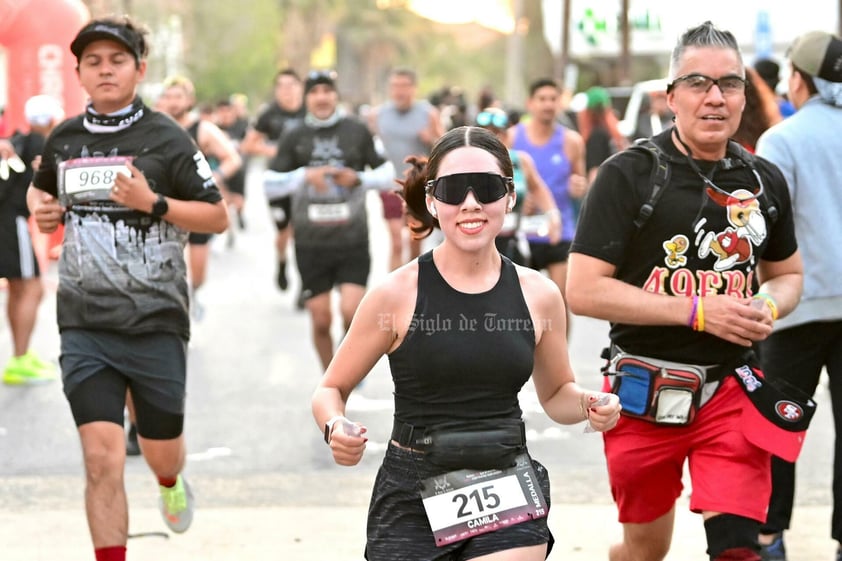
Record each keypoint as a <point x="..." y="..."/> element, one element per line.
<point x="704" y="35"/>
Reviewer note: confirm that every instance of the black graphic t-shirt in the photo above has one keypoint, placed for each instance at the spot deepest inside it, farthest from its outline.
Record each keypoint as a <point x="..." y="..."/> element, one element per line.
<point x="275" y="121"/>
<point x="121" y="269"/>
<point x="337" y="218"/>
<point x="13" y="190"/>
<point x="696" y="242"/>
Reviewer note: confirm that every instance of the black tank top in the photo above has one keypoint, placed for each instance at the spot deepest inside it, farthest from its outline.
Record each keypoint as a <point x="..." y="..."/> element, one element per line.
<point x="465" y="356"/>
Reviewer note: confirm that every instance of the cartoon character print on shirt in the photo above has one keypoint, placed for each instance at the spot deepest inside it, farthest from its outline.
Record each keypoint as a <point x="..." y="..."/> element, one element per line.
<point x="326" y="152"/>
<point x="675" y="248"/>
<point x="735" y="244"/>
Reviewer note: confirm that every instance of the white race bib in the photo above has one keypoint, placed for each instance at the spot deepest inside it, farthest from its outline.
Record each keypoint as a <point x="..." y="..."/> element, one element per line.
<point x="535" y="225"/>
<point x="510" y="222"/>
<point x="328" y="213"/>
<point x="89" y="179"/>
<point x="466" y="503"/>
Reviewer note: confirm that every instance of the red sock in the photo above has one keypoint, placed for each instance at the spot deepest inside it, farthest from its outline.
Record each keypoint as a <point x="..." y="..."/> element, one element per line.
<point x="738" y="554"/>
<point x="113" y="553"/>
<point x="167" y="481"/>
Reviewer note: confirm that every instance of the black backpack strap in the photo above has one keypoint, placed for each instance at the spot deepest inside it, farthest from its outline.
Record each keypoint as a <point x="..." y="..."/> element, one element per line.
<point x="658" y="179"/>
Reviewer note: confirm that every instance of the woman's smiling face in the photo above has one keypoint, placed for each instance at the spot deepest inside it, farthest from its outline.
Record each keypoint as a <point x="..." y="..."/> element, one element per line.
<point x="470" y="224"/>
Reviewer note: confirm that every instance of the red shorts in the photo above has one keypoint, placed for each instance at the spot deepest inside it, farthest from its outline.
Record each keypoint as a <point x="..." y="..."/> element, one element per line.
<point x="728" y="474"/>
<point x="392" y="205"/>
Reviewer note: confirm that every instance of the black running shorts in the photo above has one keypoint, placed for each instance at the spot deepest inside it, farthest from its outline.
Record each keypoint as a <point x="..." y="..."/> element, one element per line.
<point x="98" y="366"/>
<point x="323" y="268"/>
<point x="17" y="257"/>
<point x="398" y="526"/>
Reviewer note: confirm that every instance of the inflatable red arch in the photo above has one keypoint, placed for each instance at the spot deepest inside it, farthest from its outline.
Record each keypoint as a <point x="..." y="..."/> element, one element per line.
<point x="36" y="35"/>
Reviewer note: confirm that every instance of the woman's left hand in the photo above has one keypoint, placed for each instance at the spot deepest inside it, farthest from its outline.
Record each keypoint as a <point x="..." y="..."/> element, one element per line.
<point x="603" y="410"/>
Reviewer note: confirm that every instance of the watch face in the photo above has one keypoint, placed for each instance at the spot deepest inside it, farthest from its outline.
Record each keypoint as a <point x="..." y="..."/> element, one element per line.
<point x="160" y="207"/>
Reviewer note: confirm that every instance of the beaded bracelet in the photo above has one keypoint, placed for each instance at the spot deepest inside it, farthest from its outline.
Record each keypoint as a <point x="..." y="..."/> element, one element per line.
<point x="692" y="321"/>
<point x="699" y="324"/>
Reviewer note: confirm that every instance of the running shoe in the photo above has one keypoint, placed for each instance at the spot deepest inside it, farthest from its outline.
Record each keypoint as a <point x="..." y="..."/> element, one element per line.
<point x="176" y="504"/>
<point x="301" y="300"/>
<point x="775" y="551"/>
<point x="283" y="283"/>
<point x="27" y="370"/>
<point x="132" y="445"/>
<point x="197" y="308"/>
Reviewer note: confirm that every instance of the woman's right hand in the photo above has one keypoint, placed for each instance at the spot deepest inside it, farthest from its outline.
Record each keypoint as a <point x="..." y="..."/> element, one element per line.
<point x="347" y="443"/>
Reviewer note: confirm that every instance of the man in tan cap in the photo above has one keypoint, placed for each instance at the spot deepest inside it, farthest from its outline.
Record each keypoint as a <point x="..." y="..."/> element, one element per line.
<point x="806" y="148"/>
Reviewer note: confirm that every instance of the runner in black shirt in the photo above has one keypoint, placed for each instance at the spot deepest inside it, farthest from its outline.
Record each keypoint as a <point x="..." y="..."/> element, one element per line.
<point x="129" y="184"/>
<point x="323" y="165"/>
<point x="285" y="113"/>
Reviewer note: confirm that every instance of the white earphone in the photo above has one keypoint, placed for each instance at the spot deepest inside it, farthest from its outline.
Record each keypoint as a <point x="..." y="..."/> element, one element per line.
<point x="433" y="210"/>
<point x="511" y="205"/>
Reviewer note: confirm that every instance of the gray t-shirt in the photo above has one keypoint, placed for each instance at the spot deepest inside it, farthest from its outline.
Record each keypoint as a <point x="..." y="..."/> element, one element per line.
<point x="399" y="131"/>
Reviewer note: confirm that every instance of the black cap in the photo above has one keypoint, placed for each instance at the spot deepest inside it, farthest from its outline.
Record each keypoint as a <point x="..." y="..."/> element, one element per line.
<point x="818" y="53"/>
<point x="98" y="30"/>
<point x="316" y="77"/>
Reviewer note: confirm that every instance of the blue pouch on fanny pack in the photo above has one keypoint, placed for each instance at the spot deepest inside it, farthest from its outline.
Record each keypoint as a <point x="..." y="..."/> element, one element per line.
<point x="633" y="386"/>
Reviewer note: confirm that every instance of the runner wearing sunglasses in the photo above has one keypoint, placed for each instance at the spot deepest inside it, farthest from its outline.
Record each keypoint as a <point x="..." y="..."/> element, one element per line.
<point x="464" y="328"/>
<point x="703" y="280"/>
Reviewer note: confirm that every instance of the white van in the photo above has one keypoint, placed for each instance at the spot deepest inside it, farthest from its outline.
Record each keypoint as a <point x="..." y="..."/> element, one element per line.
<point x="638" y="106"/>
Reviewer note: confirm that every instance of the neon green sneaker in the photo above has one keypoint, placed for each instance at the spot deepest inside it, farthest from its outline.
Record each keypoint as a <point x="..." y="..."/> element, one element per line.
<point x="176" y="505"/>
<point x="27" y="370"/>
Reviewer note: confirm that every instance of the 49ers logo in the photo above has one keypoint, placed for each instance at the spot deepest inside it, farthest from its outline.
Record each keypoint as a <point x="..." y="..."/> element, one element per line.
<point x="789" y="411"/>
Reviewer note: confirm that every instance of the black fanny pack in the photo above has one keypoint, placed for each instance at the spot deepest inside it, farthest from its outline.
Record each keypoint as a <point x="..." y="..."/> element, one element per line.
<point x="480" y="445"/>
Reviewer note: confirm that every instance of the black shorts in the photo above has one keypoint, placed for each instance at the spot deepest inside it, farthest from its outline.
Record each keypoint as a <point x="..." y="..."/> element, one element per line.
<point x="237" y="182"/>
<point x="17" y="256"/>
<point x="545" y="254"/>
<point x="323" y="268"/>
<point x="152" y="365"/>
<point x="199" y="239"/>
<point x="398" y="527"/>
<point x="281" y="211"/>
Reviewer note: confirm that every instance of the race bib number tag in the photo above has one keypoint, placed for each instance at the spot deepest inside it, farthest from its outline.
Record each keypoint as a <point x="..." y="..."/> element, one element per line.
<point x="328" y="213"/>
<point x="536" y="225"/>
<point x="89" y="179"/>
<point x="466" y="503"/>
<point x="510" y="222"/>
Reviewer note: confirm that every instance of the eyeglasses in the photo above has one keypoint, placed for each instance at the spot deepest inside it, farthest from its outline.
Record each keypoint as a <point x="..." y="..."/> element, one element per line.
<point x="452" y="189"/>
<point x="701" y="84"/>
<point x="490" y="118"/>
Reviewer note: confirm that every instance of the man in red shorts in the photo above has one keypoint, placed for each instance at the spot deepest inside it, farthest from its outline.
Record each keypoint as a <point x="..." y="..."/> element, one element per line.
<point x="686" y="309"/>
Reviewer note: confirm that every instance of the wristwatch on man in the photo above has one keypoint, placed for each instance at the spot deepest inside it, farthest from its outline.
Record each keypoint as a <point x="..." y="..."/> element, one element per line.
<point x="160" y="207"/>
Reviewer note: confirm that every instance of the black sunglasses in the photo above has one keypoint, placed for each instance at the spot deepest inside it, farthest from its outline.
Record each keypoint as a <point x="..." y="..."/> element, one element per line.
<point x="452" y="189"/>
